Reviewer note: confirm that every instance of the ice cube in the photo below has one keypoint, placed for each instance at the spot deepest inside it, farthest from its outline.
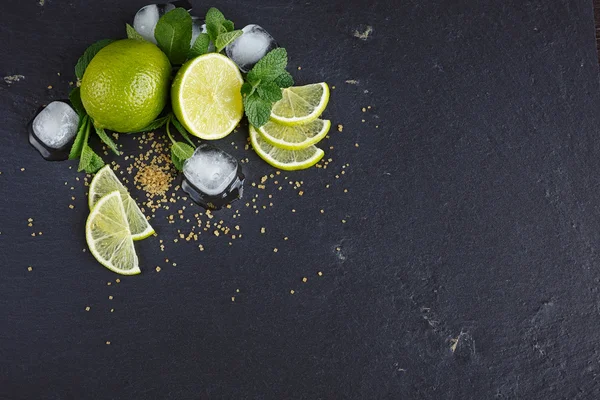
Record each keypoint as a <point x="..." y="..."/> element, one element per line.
<point x="147" y="17"/>
<point x="53" y="130"/>
<point x="212" y="177"/>
<point x="249" y="48"/>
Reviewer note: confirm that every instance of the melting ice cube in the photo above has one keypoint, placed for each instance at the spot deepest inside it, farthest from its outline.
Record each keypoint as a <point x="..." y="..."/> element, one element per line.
<point x="147" y="17"/>
<point x="212" y="177"/>
<point x="249" y="48"/>
<point x="53" y="129"/>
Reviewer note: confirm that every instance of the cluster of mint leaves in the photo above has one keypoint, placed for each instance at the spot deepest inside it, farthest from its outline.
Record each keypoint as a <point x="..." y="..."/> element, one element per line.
<point x="173" y="33"/>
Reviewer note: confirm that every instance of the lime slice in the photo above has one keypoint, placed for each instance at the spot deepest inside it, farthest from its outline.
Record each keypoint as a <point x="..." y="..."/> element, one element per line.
<point x="109" y="238"/>
<point x="296" y="137"/>
<point x="301" y="104"/>
<point x="206" y="96"/>
<point x="104" y="182"/>
<point x="284" y="159"/>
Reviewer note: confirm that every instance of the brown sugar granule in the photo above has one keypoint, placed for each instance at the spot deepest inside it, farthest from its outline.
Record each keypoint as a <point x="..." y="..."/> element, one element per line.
<point x="153" y="179"/>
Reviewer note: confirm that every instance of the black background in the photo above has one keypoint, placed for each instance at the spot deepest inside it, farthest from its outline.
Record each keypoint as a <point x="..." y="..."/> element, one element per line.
<point x="468" y="267"/>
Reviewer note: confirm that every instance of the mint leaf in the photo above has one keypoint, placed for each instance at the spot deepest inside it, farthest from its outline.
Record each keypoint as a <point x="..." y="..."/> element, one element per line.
<point x="200" y="46"/>
<point x="269" y="67"/>
<point x="132" y="33"/>
<point x="80" y="139"/>
<point x="182" y="131"/>
<point x="157" y="123"/>
<point x="228" y="25"/>
<point x="173" y="34"/>
<point x="269" y="91"/>
<point x="179" y="153"/>
<point x="107" y="140"/>
<point x="75" y="99"/>
<point x="225" y="38"/>
<point x="86" y="157"/>
<point x="95" y="164"/>
<point x="257" y="110"/>
<point x="87" y="56"/>
<point x="285" y="80"/>
<point x="247" y="89"/>
<point x="214" y="21"/>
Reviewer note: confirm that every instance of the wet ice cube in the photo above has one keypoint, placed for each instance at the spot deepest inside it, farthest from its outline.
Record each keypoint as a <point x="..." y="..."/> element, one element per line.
<point x="56" y="125"/>
<point x="212" y="177"/>
<point x="53" y="129"/>
<point x="147" y="17"/>
<point x="249" y="48"/>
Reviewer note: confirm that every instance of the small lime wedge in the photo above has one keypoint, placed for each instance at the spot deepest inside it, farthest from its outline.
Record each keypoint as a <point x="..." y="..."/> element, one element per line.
<point x="284" y="159"/>
<point x="295" y="137"/>
<point x="109" y="238"/>
<point x="104" y="182"/>
<point x="301" y="104"/>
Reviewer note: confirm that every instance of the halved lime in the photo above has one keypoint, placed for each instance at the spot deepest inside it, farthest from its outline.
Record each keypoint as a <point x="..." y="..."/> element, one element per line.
<point x="296" y="137"/>
<point x="206" y="96"/>
<point x="301" y="104"/>
<point x="109" y="238"/>
<point x="284" y="159"/>
<point x="104" y="182"/>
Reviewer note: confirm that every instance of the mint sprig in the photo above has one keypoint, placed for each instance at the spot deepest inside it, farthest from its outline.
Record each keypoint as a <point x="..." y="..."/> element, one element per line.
<point x="263" y="86"/>
<point x="220" y="30"/>
<point x="173" y="34"/>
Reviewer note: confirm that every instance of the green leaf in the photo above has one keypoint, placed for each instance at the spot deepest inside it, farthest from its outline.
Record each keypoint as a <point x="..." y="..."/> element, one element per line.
<point x="75" y="99"/>
<point x="86" y="157"/>
<point x="80" y="139"/>
<point x="285" y="80"/>
<point x="95" y="164"/>
<point x="257" y="110"/>
<point x="269" y="91"/>
<point x="132" y="33"/>
<point x="182" y="131"/>
<point x="157" y="123"/>
<point x="247" y="89"/>
<point x="87" y="56"/>
<point x="269" y="67"/>
<point x="228" y="25"/>
<point x="225" y="38"/>
<point x="200" y="46"/>
<point x="179" y="153"/>
<point x="173" y="34"/>
<point x="107" y="140"/>
<point x="214" y="21"/>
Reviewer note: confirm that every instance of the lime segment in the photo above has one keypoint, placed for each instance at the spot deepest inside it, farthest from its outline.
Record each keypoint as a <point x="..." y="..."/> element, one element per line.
<point x="104" y="182"/>
<point x="109" y="238"/>
<point x="296" y="137"/>
<point x="284" y="159"/>
<point x="301" y="104"/>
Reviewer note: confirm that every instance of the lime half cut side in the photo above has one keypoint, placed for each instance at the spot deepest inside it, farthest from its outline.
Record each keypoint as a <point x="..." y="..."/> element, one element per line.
<point x="105" y="181"/>
<point x="284" y="159"/>
<point x="109" y="238"/>
<point x="206" y="96"/>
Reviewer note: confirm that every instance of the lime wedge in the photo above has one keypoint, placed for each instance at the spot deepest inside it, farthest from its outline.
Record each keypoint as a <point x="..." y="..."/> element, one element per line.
<point x="284" y="159"/>
<point x="109" y="238"/>
<point x="296" y="137"/>
<point x="301" y="104"/>
<point x="206" y="96"/>
<point x="104" y="182"/>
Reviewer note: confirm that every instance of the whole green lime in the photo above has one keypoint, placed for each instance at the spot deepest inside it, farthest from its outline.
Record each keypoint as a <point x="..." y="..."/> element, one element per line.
<point x="126" y="85"/>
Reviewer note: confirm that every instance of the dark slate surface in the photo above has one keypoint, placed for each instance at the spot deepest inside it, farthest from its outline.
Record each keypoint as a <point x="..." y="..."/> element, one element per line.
<point x="469" y="264"/>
